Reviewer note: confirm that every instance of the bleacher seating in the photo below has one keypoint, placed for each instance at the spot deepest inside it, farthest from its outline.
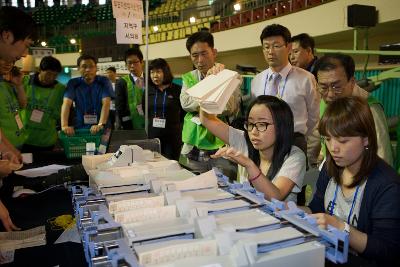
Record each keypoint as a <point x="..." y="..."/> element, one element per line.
<point x="94" y="20"/>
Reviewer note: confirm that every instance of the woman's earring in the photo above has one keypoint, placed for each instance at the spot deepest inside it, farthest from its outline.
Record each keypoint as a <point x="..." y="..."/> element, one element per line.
<point x="366" y="148"/>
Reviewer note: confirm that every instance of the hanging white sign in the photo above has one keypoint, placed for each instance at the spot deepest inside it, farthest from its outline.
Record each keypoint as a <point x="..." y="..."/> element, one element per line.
<point x="129" y="31"/>
<point x="128" y="9"/>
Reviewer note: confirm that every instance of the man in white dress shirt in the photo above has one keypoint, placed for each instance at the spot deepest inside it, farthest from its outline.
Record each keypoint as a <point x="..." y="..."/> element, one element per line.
<point x="294" y="85"/>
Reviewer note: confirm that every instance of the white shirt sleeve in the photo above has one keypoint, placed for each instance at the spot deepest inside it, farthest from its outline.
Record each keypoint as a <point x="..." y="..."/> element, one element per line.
<point x="312" y="102"/>
<point x="188" y="103"/>
<point x="294" y="168"/>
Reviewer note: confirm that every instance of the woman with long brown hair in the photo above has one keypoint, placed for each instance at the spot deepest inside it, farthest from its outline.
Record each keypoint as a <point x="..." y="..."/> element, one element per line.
<point x="357" y="191"/>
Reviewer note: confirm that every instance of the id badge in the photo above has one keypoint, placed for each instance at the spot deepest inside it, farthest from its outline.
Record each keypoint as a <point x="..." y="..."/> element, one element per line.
<point x="126" y="118"/>
<point x="37" y="116"/>
<point x="89" y="119"/>
<point x="196" y="119"/>
<point x="112" y="106"/>
<point x="159" y="123"/>
<point x="140" y="109"/>
<point x="18" y="121"/>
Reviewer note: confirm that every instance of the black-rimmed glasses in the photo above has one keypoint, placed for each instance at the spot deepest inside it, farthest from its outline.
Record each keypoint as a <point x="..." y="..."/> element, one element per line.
<point x="261" y="126"/>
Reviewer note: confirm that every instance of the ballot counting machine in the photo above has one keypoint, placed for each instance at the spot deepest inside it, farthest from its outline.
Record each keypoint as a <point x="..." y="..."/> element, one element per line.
<point x="173" y="222"/>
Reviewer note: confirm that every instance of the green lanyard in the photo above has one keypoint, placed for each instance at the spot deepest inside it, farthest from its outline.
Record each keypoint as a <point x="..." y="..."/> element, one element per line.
<point x="14" y="107"/>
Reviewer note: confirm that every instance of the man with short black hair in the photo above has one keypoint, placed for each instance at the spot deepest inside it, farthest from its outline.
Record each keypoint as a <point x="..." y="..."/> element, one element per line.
<point x="198" y="142"/>
<point x="335" y="77"/>
<point x="294" y="85"/>
<point x="17" y="33"/>
<point x="302" y="53"/>
<point x="91" y="94"/>
<point x="42" y="113"/>
<point x="302" y="56"/>
<point x="129" y="91"/>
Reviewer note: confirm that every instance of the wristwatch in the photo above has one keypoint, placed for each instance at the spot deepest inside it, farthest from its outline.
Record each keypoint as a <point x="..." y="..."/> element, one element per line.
<point x="346" y="228"/>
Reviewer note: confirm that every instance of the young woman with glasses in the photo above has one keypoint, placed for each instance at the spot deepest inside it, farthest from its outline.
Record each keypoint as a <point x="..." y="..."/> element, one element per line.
<point x="357" y="191"/>
<point x="264" y="151"/>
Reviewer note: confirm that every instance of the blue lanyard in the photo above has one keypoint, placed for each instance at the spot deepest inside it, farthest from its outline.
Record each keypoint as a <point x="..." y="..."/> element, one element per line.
<point x="280" y="94"/>
<point x="352" y="204"/>
<point x="163" y="103"/>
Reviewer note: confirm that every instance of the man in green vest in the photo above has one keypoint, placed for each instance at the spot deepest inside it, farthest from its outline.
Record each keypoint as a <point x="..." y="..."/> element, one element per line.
<point x="198" y="142"/>
<point x="129" y="91"/>
<point x="335" y="78"/>
<point x="42" y="113"/>
<point x="17" y="32"/>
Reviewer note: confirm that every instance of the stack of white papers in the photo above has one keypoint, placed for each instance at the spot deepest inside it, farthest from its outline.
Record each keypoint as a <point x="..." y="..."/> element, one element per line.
<point x="174" y="250"/>
<point x="204" y="180"/>
<point x="41" y="171"/>
<point x="11" y="241"/>
<point x="135" y="203"/>
<point x="246" y="219"/>
<point x="214" y="91"/>
<point x="146" y="214"/>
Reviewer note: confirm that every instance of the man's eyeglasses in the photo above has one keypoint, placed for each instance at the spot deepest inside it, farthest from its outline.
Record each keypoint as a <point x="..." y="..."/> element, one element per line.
<point x="324" y="89"/>
<point x="260" y="126"/>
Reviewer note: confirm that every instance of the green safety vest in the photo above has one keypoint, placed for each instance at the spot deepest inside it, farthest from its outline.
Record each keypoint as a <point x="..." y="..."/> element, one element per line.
<point x="47" y="100"/>
<point x="134" y="99"/>
<point x="193" y="134"/>
<point x="9" y="108"/>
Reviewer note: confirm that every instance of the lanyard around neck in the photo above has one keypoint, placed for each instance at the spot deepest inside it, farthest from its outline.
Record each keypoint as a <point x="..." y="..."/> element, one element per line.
<point x="352" y="204"/>
<point x="280" y="92"/>
<point x="163" y="103"/>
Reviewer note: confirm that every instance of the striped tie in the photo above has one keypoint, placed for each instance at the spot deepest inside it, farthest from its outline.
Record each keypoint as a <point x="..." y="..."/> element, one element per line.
<point x="275" y="79"/>
<point x="140" y="82"/>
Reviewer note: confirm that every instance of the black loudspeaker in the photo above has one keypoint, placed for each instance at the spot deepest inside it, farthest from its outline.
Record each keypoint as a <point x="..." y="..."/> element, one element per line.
<point x="361" y="16"/>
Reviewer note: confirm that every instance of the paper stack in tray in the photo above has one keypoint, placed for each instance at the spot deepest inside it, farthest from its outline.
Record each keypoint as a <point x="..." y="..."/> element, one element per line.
<point x="214" y="91"/>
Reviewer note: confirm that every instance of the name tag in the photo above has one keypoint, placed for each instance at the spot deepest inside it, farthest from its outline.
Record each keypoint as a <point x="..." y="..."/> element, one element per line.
<point x="37" y="116"/>
<point x="89" y="119"/>
<point x="112" y="106"/>
<point x="159" y="123"/>
<point x="126" y="118"/>
<point x="196" y="119"/>
<point x="140" y="109"/>
<point x="18" y="121"/>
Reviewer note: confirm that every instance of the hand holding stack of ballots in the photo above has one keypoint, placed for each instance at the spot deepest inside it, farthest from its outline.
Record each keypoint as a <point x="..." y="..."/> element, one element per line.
<point x="214" y="91"/>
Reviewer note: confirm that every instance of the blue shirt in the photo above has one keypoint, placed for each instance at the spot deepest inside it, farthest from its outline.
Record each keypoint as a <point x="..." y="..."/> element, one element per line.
<point x="87" y="97"/>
